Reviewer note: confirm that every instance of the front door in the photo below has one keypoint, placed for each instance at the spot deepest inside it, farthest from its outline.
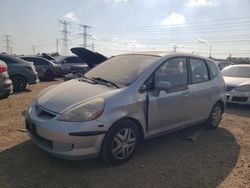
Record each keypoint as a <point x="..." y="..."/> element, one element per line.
<point x="170" y="109"/>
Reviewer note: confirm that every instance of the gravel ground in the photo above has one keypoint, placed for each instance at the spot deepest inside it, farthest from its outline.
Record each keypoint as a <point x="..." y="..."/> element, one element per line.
<point x="219" y="158"/>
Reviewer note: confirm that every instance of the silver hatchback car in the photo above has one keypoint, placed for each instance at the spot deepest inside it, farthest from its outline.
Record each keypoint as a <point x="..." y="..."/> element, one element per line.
<point x="123" y="100"/>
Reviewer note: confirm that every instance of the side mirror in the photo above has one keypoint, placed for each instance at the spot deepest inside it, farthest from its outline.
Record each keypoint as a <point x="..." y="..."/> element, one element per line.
<point x="161" y="86"/>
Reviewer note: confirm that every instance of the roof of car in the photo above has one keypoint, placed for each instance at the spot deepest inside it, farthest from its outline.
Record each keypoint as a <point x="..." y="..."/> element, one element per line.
<point x="240" y="65"/>
<point x="167" y="53"/>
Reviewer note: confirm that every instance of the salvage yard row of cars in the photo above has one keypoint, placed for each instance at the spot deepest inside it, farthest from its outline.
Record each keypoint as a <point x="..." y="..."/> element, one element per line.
<point x="19" y="71"/>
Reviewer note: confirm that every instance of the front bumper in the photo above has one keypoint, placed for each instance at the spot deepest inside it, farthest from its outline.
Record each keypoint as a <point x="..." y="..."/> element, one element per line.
<point x="67" y="140"/>
<point x="238" y="97"/>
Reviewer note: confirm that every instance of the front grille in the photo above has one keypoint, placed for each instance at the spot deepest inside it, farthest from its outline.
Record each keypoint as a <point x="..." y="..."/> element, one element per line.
<point x="240" y="99"/>
<point x="230" y="88"/>
<point x="43" y="113"/>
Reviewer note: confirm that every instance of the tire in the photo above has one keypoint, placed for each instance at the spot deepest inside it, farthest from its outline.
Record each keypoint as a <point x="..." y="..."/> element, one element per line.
<point x="120" y="142"/>
<point x="49" y="76"/>
<point x="215" y="116"/>
<point x="19" y="83"/>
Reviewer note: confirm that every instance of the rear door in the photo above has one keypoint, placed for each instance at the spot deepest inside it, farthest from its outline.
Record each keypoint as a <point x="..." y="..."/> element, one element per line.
<point x="170" y="109"/>
<point x="202" y="89"/>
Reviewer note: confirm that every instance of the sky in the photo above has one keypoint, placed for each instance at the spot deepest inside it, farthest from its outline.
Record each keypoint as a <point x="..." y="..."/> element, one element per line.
<point x="124" y="26"/>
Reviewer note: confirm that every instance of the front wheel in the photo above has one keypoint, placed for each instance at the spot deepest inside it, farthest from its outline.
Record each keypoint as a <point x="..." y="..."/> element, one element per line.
<point x="215" y="116"/>
<point x="120" y="142"/>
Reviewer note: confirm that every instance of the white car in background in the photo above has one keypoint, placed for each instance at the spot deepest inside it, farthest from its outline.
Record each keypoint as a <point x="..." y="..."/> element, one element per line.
<point x="237" y="79"/>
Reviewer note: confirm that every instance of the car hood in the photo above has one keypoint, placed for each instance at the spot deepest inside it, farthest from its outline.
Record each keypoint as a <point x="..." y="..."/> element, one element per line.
<point x="236" y="81"/>
<point x="89" y="57"/>
<point x="63" y="96"/>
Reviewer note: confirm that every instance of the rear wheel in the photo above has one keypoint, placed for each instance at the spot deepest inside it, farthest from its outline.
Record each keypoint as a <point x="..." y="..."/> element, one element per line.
<point x="19" y="83"/>
<point x="120" y="142"/>
<point x="215" y="116"/>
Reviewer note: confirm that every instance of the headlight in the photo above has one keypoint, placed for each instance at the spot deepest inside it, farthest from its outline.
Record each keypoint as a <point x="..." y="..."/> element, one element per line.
<point x="243" y="88"/>
<point x="85" y="112"/>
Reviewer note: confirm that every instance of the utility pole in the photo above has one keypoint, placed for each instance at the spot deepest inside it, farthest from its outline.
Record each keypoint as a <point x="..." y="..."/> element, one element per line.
<point x="34" y="49"/>
<point x="65" y="34"/>
<point x="210" y="50"/>
<point x="7" y="45"/>
<point x="84" y="34"/>
<point x="93" y="47"/>
<point x="175" y="48"/>
<point x="57" y="44"/>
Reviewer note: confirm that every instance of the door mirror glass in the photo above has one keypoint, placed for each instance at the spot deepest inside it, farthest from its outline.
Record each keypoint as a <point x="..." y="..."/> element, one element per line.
<point x="162" y="86"/>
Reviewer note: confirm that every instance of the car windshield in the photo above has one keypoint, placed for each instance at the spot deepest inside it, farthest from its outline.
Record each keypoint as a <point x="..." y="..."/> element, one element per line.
<point x="236" y="71"/>
<point x="122" y="70"/>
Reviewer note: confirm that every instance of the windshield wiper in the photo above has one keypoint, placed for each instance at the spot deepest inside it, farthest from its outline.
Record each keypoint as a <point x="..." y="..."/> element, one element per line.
<point x="105" y="81"/>
<point x="90" y="80"/>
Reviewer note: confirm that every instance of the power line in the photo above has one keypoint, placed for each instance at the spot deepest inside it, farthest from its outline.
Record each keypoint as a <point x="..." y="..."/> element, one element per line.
<point x="65" y="34"/>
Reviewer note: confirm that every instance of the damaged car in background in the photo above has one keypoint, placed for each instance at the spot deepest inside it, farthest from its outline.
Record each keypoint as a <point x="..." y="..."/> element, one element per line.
<point x="128" y="98"/>
<point x="90" y="58"/>
<point x="237" y="78"/>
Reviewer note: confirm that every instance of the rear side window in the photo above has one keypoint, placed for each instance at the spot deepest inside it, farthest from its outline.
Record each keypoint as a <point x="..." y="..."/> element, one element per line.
<point x="199" y="71"/>
<point x="212" y="69"/>
<point x="6" y="60"/>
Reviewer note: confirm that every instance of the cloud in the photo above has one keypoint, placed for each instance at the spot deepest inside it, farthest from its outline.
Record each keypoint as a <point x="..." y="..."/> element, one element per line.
<point x="71" y="16"/>
<point x="173" y="19"/>
<point x="202" y="41"/>
<point x="115" y="1"/>
<point x="197" y="3"/>
<point x="127" y="44"/>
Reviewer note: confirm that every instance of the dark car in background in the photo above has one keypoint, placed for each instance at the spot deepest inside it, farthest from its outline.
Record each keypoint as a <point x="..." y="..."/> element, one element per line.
<point x="6" y="87"/>
<point x="21" y="72"/>
<point x="67" y="62"/>
<point x="91" y="58"/>
<point x="82" y="62"/>
<point x="46" y="69"/>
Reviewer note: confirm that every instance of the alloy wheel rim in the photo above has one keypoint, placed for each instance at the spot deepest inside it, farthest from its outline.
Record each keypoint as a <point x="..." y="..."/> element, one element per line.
<point x="216" y="116"/>
<point x="123" y="143"/>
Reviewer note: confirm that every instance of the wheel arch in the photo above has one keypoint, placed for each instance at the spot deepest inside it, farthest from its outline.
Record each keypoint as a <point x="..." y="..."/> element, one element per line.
<point x="135" y="121"/>
<point x="17" y="74"/>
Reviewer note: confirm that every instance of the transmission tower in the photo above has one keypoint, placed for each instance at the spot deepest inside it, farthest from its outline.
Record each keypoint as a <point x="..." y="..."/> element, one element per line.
<point x="7" y="43"/>
<point x="65" y="34"/>
<point x="84" y="35"/>
<point x="34" y="49"/>
<point x="57" y="44"/>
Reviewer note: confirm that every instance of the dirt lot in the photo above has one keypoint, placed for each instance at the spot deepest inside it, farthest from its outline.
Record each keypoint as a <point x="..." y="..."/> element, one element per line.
<point x="217" y="158"/>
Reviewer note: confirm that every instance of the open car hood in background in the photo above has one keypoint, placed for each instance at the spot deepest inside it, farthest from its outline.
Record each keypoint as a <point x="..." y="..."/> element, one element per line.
<point x="87" y="56"/>
<point x="48" y="57"/>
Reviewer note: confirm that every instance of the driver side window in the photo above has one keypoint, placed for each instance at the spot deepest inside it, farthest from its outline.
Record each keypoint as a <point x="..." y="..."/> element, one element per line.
<point x="173" y="71"/>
